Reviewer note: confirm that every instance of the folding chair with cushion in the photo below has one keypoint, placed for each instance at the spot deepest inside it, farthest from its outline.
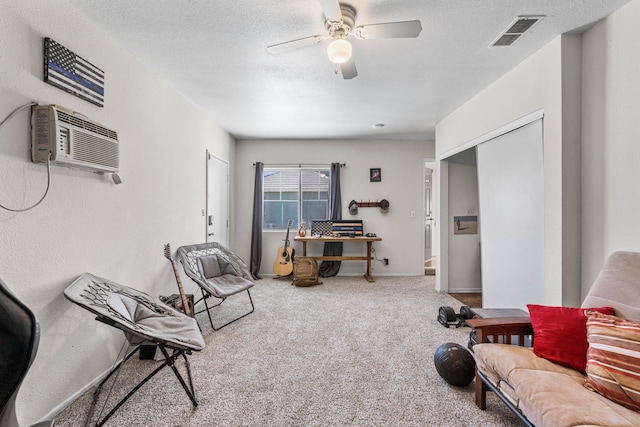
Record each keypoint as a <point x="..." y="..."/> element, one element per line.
<point x="19" y="338"/>
<point x="218" y="272"/>
<point x="143" y="321"/>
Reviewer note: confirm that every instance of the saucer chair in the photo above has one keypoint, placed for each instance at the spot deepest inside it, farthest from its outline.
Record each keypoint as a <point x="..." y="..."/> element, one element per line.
<point x="218" y="272"/>
<point x="144" y="322"/>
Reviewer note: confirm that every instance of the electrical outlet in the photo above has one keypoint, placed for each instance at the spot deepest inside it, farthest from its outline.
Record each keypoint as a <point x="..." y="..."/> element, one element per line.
<point x="386" y="261"/>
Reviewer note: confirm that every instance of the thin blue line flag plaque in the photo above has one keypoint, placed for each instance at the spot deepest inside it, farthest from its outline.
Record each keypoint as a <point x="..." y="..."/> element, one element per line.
<point x="71" y="73"/>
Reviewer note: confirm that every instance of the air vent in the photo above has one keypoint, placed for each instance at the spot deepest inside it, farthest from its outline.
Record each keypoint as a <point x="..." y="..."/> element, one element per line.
<point x="515" y="30"/>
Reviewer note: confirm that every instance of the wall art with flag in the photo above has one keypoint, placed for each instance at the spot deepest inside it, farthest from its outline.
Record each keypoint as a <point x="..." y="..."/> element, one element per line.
<point x="68" y="71"/>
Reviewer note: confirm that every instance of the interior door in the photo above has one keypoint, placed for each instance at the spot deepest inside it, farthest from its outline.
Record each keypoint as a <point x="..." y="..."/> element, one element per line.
<point x="217" y="200"/>
<point x="428" y="213"/>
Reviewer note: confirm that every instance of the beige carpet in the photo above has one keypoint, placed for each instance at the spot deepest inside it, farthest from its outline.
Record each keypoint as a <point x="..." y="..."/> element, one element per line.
<point x="345" y="353"/>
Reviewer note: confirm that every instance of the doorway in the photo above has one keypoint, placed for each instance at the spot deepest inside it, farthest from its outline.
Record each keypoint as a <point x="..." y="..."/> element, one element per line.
<point x="429" y="218"/>
<point x="217" y="224"/>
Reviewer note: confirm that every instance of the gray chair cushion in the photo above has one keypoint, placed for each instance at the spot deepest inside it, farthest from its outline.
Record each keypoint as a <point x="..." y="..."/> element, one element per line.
<point x="208" y="266"/>
<point x="135" y="313"/>
<point x="221" y="281"/>
<point x="155" y="324"/>
<point x="228" y="284"/>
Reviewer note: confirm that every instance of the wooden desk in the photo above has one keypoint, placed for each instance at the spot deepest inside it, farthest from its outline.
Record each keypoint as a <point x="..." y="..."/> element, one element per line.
<point x="483" y="313"/>
<point x="367" y="257"/>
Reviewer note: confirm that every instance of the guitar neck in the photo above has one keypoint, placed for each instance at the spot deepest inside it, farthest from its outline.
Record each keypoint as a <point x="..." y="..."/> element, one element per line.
<point x="183" y="297"/>
<point x="286" y="239"/>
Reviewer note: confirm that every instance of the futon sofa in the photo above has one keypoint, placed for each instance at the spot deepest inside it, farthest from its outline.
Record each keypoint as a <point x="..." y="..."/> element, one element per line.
<point x="548" y="382"/>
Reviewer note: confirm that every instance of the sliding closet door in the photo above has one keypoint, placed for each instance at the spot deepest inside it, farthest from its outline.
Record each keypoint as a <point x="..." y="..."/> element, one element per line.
<point x="511" y="196"/>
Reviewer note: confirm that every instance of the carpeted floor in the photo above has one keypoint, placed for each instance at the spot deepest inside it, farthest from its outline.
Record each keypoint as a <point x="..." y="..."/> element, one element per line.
<point x="345" y="353"/>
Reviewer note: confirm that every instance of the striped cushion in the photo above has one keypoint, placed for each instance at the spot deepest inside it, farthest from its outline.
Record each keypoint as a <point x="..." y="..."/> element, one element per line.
<point x="613" y="359"/>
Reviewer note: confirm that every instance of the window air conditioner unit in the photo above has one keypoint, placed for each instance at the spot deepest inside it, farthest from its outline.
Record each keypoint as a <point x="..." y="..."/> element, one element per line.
<point x="72" y="140"/>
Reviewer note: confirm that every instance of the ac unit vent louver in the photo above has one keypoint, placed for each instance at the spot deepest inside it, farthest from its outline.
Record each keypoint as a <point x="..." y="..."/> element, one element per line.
<point x="515" y="30"/>
<point x="81" y="123"/>
<point x="72" y="140"/>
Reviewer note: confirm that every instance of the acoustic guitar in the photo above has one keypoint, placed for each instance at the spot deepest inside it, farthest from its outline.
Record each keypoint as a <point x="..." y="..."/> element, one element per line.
<point x="283" y="266"/>
<point x="183" y="297"/>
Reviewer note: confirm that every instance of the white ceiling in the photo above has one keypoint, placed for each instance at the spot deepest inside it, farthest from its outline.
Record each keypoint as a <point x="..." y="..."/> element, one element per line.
<point x="215" y="53"/>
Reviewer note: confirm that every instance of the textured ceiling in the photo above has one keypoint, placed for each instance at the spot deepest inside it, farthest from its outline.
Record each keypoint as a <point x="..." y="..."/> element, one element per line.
<point x="214" y="53"/>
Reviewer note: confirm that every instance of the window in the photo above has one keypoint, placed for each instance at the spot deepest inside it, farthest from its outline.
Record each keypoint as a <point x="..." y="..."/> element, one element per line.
<point x="294" y="194"/>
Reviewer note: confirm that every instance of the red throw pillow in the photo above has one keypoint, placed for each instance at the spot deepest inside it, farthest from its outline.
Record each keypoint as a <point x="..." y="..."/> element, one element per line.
<point x="560" y="334"/>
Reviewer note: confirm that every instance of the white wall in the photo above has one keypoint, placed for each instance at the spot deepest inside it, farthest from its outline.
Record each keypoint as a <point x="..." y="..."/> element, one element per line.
<point x="402" y="185"/>
<point x="87" y="223"/>
<point x="597" y="75"/>
<point x="534" y="84"/>
<point x="611" y="131"/>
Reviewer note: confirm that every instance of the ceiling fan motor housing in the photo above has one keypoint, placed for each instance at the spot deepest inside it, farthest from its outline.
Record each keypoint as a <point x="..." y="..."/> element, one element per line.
<point x="341" y="29"/>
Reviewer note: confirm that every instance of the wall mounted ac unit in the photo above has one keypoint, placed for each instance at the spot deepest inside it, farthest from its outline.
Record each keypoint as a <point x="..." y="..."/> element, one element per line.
<point x="73" y="140"/>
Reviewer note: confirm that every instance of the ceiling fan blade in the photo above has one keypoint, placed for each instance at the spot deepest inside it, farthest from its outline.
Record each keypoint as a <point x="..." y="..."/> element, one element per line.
<point x="389" y="30"/>
<point x="331" y="9"/>
<point x="349" y="69"/>
<point x="295" y="44"/>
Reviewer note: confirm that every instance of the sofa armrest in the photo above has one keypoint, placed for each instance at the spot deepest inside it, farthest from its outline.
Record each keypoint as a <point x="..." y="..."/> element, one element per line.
<point x="502" y="329"/>
<point x="507" y="330"/>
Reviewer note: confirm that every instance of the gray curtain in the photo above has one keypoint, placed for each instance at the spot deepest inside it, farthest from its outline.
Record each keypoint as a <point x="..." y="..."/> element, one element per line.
<point x="256" y="231"/>
<point x="331" y="268"/>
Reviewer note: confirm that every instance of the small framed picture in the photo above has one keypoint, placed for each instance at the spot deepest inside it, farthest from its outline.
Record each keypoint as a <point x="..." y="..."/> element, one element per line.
<point x="375" y="174"/>
<point x="465" y="224"/>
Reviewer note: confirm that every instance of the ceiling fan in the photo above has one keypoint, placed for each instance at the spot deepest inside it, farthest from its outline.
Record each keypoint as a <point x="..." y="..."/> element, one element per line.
<point x="340" y="24"/>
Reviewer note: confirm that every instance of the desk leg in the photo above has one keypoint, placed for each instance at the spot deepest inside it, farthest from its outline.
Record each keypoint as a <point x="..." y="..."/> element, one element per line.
<point x="367" y="275"/>
<point x="481" y="389"/>
<point x="304" y="248"/>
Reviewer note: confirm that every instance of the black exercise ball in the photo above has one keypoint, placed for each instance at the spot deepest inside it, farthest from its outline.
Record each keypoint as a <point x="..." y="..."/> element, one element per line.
<point x="455" y="364"/>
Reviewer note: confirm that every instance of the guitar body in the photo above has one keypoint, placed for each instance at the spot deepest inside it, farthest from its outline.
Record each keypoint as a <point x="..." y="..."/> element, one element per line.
<point x="283" y="266"/>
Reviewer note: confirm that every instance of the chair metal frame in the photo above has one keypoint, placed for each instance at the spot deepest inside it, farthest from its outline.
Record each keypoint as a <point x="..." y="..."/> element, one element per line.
<point x="205" y="296"/>
<point x="189" y="255"/>
<point x="94" y="299"/>
<point x="169" y="360"/>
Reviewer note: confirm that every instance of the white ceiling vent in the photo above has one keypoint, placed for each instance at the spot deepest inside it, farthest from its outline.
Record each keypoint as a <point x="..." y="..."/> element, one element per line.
<point x="515" y="30"/>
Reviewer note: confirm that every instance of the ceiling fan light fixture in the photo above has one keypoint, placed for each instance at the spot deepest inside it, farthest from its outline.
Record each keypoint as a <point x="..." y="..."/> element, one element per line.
<point x="339" y="51"/>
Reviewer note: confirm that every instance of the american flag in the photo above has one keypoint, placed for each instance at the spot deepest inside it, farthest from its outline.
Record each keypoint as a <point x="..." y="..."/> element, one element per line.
<point x="70" y="72"/>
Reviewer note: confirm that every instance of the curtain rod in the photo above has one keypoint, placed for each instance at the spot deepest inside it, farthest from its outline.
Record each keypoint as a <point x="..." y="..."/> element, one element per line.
<point x="272" y="165"/>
